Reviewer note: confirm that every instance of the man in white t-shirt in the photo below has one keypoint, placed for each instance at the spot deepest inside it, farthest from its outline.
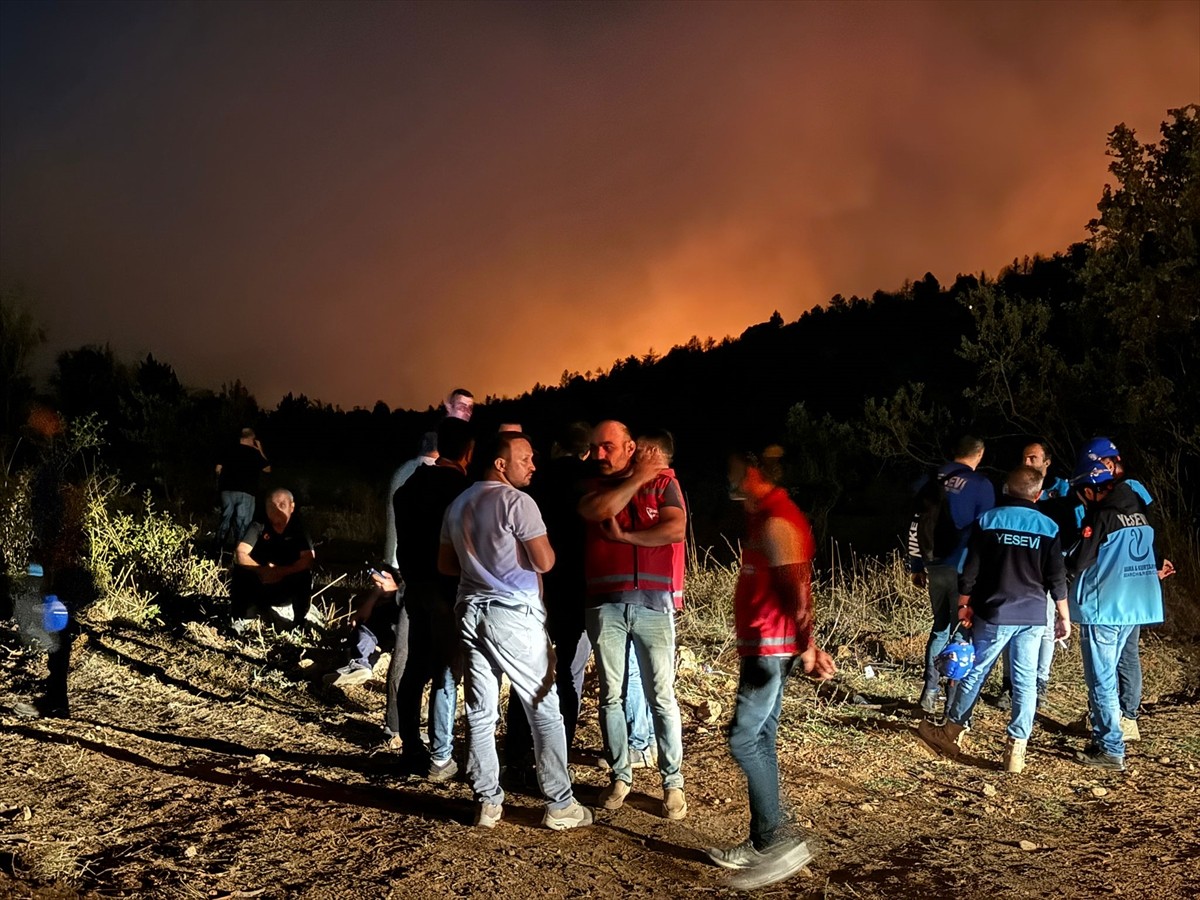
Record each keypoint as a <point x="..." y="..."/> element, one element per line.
<point x="494" y="539"/>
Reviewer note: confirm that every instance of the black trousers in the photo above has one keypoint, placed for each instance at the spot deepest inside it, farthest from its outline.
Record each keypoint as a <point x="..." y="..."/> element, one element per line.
<point x="247" y="592"/>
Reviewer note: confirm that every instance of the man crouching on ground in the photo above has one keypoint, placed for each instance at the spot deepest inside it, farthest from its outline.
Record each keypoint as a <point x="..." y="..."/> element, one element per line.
<point x="773" y="618"/>
<point x="494" y="539"/>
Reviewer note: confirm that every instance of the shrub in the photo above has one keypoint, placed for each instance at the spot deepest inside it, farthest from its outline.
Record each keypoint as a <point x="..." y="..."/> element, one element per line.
<point x="137" y="553"/>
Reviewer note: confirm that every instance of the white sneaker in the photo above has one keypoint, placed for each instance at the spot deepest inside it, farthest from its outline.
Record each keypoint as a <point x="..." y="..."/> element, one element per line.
<point x="741" y="856"/>
<point x="574" y="816"/>
<point x="348" y="676"/>
<point x="778" y="863"/>
<point x="644" y="759"/>
<point x="1129" y="730"/>
<point x="488" y="815"/>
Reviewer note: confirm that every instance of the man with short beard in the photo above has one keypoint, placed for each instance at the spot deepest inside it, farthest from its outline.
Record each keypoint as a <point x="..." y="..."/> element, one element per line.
<point x="493" y="538"/>
<point x="634" y="513"/>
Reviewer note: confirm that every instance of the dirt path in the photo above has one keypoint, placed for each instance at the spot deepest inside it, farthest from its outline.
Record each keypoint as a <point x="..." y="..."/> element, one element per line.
<point x="198" y="766"/>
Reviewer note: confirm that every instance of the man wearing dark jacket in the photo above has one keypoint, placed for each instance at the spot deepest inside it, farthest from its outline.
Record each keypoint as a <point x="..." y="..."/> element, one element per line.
<point x="1013" y="559"/>
<point x="273" y="566"/>
<point x="237" y="480"/>
<point x="431" y="654"/>
<point x="968" y="495"/>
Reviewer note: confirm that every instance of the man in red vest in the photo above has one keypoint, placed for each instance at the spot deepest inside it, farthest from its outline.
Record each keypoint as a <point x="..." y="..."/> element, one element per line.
<point x="633" y="513"/>
<point x="773" y="620"/>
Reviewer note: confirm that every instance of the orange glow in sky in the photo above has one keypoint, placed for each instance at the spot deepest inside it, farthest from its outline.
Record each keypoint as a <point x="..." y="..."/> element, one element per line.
<point x="362" y="202"/>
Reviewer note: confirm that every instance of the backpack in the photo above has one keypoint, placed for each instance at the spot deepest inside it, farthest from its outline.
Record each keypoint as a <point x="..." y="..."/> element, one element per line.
<point x="932" y="533"/>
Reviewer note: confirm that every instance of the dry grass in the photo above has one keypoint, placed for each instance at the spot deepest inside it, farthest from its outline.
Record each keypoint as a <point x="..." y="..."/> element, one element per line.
<point x="214" y="743"/>
<point x="860" y="599"/>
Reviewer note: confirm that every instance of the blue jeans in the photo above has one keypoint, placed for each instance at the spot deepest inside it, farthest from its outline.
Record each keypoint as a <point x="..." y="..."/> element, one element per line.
<point x="990" y="640"/>
<point x="1045" y="654"/>
<point x="1101" y="647"/>
<point x="511" y="640"/>
<point x="637" y="707"/>
<point x="364" y="640"/>
<point x="433" y="658"/>
<point x="1129" y="675"/>
<point x="943" y="597"/>
<point x="612" y="627"/>
<point x="752" y="740"/>
<point x="572" y="650"/>
<point x="237" y="511"/>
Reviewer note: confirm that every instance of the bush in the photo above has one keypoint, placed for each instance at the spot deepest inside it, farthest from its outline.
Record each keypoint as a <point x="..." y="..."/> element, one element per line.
<point x="16" y="524"/>
<point x="137" y="553"/>
<point x="132" y="552"/>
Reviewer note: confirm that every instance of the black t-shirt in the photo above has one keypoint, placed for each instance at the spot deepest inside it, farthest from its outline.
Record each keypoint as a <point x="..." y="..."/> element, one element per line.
<point x="269" y="546"/>
<point x="420" y="504"/>
<point x="240" y="467"/>
<point x="558" y="487"/>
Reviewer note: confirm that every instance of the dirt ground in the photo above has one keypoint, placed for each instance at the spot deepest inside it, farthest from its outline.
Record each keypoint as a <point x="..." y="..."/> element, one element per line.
<point x="198" y="764"/>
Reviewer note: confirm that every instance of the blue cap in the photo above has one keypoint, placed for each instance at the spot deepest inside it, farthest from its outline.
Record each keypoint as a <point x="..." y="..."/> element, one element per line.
<point x="35" y="570"/>
<point x="1090" y="474"/>
<point x="1098" y="448"/>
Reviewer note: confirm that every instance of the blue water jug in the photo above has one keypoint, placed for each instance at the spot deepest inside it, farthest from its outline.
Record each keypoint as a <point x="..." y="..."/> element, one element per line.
<point x="54" y="614"/>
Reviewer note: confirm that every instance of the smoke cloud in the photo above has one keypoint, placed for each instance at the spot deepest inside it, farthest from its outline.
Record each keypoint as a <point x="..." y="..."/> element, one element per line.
<point x="366" y="201"/>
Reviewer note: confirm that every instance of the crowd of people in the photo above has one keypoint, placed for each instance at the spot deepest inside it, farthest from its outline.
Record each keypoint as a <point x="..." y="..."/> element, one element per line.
<point x="491" y="573"/>
<point x="1015" y="575"/>
<point x="495" y="573"/>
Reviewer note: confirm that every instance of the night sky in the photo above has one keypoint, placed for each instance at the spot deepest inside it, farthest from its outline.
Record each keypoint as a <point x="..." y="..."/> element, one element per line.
<point x="383" y="201"/>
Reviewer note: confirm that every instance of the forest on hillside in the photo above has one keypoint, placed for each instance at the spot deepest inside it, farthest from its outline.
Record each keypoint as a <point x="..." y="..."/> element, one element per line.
<point x="863" y="392"/>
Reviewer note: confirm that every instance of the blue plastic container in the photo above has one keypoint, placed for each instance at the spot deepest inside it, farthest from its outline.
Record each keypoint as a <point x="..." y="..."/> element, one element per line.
<point x="54" y="614"/>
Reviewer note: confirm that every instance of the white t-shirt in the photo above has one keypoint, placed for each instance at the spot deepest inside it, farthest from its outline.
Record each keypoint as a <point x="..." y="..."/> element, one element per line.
<point x="486" y="525"/>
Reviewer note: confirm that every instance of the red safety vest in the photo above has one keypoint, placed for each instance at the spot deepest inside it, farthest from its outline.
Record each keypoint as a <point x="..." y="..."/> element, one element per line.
<point x="765" y="623"/>
<point x="612" y="567"/>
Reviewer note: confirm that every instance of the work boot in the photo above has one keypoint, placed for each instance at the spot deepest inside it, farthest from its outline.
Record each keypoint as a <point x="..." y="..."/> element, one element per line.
<point x="946" y="739"/>
<point x="1014" y="755"/>
<point x="1129" y="730"/>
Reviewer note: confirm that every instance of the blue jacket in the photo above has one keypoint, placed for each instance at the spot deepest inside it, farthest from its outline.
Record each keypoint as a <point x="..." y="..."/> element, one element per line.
<point x="1115" y="564"/>
<point x="1068" y="511"/>
<point x="968" y="494"/>
<point x="1013" y="560"/>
